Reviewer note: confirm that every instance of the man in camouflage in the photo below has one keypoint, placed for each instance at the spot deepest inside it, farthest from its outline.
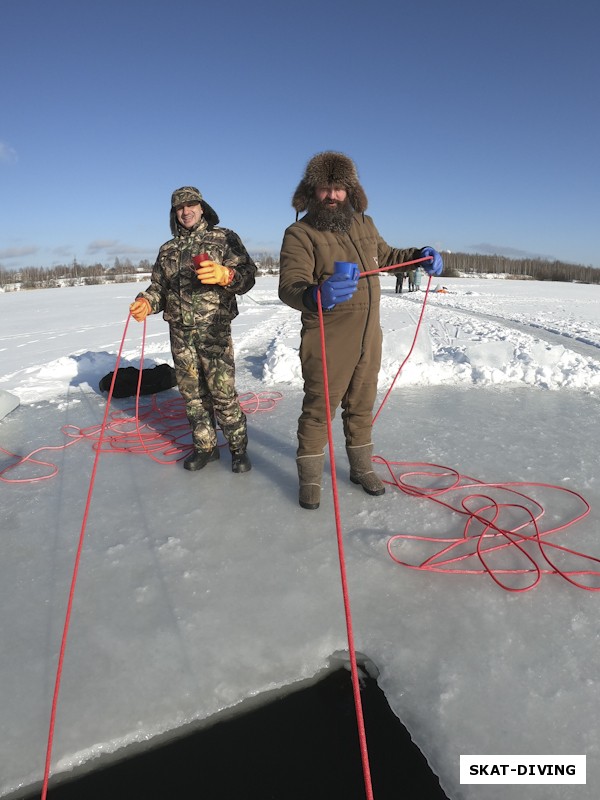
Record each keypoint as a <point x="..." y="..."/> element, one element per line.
<point x="199" y="302"/>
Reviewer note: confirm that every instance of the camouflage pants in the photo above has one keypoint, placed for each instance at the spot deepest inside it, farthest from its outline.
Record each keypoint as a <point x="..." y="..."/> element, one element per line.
<point x="205" y="370"/>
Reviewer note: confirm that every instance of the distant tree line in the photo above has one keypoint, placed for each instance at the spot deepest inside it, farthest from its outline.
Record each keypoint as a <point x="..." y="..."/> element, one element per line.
<point x="73" y="274"/>
<point x="455" y="265"/>
<point x="78" y="274"/>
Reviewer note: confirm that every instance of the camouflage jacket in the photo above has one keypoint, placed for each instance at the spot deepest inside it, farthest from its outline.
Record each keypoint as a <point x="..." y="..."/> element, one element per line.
<point x="175" y="290"/>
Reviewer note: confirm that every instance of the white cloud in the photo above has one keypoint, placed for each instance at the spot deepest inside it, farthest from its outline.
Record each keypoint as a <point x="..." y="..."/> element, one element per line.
<point x="485" y="248"/>
<point x="114" y="247"/>
<point x="18" y="252"/>
<point x="102" y="244"/>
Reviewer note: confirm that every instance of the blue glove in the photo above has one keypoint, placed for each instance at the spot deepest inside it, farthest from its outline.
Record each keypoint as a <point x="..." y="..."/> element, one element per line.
<point x="336" y="289"/>
<point x="434" y="267"/>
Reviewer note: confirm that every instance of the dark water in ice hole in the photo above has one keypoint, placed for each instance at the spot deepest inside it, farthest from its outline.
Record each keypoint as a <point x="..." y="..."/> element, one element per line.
<point x="303" y="746"/>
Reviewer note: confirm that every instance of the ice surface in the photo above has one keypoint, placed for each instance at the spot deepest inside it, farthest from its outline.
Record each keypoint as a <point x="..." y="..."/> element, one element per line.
<point x="199" y="591"/>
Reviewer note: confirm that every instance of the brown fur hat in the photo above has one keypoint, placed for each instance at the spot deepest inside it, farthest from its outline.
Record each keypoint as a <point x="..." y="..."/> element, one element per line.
<point x="325" y="169"/>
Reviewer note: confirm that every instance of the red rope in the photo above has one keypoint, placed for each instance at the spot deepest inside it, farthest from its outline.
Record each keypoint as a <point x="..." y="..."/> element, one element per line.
<point x="340" y="543"/>
<point x="515" y="537"/>
<point x="147" y="429"/>
<point x="134" y="441"/>
<point x="396" y="266"/>
<point x="160" y="432"/>
<point x="63" y="644"/>
<point x="408" y="355"/>
<point x="490" y="527"/>
<point x="489" y="516"/>
<point x="29" y="459"/>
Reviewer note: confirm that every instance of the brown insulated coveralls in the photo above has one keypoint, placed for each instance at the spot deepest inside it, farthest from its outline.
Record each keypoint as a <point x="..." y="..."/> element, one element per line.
<point x="352" y="329"/>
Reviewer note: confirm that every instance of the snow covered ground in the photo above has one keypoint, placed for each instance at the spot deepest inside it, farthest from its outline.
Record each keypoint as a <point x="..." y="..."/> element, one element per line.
<point x="198" y="593"/>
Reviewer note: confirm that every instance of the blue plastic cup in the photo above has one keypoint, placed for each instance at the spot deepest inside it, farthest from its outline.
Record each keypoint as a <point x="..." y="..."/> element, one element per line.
<point x="344" y="268"/>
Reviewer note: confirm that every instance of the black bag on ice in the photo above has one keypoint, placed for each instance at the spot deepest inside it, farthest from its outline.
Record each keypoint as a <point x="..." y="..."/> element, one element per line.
<point x="154" y="379"/>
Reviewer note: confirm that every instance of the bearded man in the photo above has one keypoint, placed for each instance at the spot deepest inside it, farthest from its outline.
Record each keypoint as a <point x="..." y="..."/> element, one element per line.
<point x="335" y="228"/>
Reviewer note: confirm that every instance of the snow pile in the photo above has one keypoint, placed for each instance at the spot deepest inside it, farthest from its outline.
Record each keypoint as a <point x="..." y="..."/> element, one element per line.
<point x="520" y="333"/>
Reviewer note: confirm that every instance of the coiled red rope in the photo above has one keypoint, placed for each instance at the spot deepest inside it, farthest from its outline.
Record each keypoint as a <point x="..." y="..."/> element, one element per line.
<point x="157" y="430"/>
<point x="488" y="513"/>
<point x="503" y="523"/>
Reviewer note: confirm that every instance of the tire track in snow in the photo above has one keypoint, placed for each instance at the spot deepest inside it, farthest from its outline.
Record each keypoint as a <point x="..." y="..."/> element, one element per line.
<point x="583" y="347"/>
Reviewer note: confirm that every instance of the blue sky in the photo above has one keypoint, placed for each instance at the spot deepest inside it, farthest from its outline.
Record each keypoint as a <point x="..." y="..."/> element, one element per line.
<point x="474" y="125"/>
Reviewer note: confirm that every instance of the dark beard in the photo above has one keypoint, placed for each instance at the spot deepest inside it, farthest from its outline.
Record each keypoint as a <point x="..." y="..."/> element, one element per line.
<point x="336" y="220"/>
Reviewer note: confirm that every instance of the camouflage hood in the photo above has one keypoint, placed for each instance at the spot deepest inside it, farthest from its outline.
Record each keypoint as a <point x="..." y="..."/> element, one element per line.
<point x="189" y="194"/>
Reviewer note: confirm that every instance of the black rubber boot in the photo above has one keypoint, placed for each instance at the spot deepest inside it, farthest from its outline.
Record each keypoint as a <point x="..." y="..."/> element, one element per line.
<point x="240" y="462"/>
<point x="200" y="458"/>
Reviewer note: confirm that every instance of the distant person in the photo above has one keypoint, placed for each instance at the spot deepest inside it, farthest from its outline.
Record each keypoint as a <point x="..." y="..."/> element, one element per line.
<point x="335" y="228"/>
<point x="199" y="303"/>
<point x="399" y="281"/>
<point x="411" y="280"/>
<point x="418" y="276"/>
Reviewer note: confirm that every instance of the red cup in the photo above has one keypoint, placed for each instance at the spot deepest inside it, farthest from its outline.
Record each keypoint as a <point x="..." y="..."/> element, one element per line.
<point x="200" y="258"/>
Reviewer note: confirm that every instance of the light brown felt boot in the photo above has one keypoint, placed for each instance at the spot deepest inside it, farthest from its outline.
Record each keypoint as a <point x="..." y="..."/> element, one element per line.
<point x="310" y="476"/>
<point x="361" y="469"/>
